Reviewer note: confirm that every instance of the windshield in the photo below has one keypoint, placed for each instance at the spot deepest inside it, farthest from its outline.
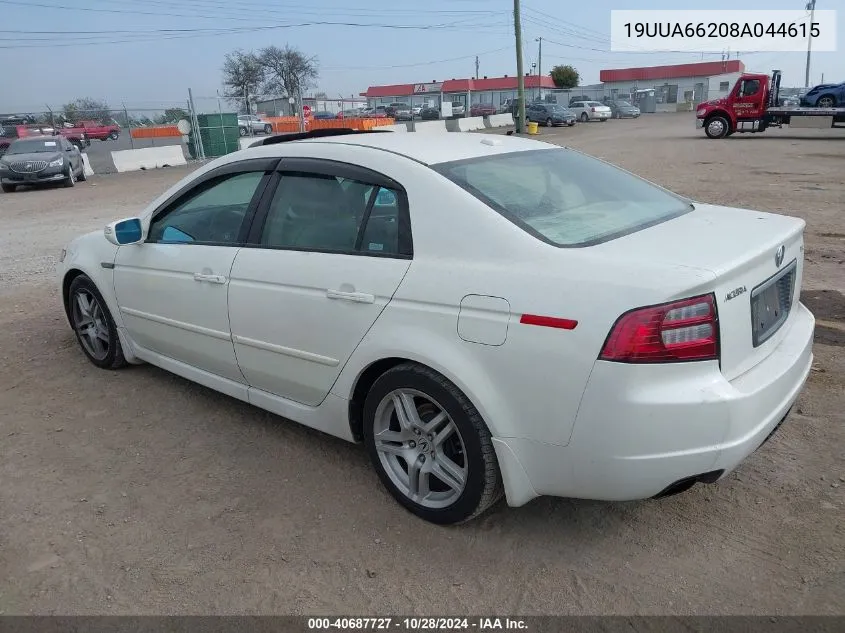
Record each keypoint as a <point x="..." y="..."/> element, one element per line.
<point x="564" y="197"/>
<point x="33" y="146"/>
<point x="624" y="104"/>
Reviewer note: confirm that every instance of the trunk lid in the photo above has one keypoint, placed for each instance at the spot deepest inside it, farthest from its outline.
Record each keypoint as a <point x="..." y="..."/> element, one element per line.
<point x="748" y="252"/>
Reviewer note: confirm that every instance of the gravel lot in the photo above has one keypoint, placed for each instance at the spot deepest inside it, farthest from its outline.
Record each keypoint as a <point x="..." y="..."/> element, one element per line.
<point x="139" y="492"/>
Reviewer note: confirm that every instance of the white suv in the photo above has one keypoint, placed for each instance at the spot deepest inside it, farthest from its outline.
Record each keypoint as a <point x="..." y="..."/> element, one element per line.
<point x="590" y="110"/>
<point x="249" y="124"/>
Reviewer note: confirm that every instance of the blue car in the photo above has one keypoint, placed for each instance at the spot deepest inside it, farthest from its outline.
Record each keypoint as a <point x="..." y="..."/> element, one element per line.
<point x="825" y="96"/>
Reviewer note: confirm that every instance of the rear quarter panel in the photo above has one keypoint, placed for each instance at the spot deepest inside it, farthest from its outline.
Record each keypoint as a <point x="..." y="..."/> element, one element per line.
<point x="531" y="385"/>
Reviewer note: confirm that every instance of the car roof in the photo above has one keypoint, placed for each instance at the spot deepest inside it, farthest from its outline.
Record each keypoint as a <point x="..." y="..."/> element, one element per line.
<point x="438" y="148"/>
<point x="428" y="149"/>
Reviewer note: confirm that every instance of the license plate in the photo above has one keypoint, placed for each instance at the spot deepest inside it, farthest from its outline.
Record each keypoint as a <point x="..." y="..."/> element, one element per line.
<point x="771" y="302"/>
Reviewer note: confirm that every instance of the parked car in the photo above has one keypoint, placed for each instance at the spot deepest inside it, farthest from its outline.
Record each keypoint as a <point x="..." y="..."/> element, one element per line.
<point x="37" y="160"/>
<point x="824" y="96"/>
<point x="482" y="109"/>
<point x="323" y="114"/>
<point x="353" y="113"/>
<point x="549" y="114"/>
<point x="251" y="124"/>
<point x="579" y="98"/>
<point x="508" y="106"/>
<point x="391" y="109"/>
<point x="458" y="109"/>
<point x="647" y="369"/>
<point x="416" y="110"/>
<point x="430" y="113"/>
<point x="97" y="131"/>
<point x="401" y="112"/>
<point x="620" y="109"/>
<point x="590" y="110"/>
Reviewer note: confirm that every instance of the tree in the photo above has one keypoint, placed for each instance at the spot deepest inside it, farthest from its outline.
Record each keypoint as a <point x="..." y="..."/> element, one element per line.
<point x="565" y="76"/>
<point x="171" y="115"/>
<point x="287" y="71"/>
<point x="242" y="76"/>
<point x="321" y="96"/>
<point x="86" y="108"/>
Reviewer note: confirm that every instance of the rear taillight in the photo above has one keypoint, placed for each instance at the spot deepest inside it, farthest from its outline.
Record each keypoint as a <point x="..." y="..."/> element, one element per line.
<point x="685" y="330"/>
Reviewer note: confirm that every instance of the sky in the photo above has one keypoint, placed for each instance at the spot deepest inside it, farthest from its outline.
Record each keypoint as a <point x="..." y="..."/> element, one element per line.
<point x="146" y="54"/>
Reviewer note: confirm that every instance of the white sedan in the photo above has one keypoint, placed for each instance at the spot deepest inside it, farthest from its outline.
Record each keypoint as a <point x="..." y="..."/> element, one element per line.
<point x="489" y="315"/>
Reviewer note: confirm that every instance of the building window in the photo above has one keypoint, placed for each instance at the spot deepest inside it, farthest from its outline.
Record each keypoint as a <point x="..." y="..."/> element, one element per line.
<point x="724" y="86"/>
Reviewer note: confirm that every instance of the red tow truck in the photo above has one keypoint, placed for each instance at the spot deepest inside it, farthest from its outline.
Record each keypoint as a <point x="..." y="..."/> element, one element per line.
<point x="13" y="127"/>
<point x="753" y="106"/>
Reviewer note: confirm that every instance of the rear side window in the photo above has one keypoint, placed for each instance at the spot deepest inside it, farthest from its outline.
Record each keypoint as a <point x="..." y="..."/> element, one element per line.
<point x="563" y="197"/>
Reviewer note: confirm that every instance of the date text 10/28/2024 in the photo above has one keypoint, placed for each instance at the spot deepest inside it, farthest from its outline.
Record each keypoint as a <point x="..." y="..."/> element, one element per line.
<point x="417" y="624"/>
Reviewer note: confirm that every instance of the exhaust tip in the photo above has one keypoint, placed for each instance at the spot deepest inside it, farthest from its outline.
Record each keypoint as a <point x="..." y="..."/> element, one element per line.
<point x="682" y="485"/>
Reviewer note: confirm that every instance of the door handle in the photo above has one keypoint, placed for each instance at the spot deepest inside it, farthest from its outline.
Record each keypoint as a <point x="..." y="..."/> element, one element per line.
<point x="356" y="297"/>
<point x="213" y="279"/>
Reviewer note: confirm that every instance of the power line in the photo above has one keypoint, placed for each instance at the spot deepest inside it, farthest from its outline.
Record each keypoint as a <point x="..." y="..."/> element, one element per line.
<point x="428" y="63"/>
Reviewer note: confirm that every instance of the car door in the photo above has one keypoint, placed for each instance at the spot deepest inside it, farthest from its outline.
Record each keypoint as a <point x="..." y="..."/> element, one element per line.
<point x="74" y="156"/>
<point x="325" y="255"/>
<point x="748" y="100"/>
<point x="172" y="288"/>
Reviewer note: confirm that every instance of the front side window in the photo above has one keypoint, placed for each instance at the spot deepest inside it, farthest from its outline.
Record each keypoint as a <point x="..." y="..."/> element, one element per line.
<point x="749" y="87"/>
<point x="213" y="213"/>
<point x="563" y="197"/>
<point x="327" y="213"/>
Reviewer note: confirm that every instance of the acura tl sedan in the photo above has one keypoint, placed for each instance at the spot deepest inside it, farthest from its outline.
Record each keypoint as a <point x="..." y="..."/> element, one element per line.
<point x="488" y="315"/>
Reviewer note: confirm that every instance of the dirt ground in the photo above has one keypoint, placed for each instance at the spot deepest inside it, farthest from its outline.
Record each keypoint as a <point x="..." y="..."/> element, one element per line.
<point x="138" y="492"/>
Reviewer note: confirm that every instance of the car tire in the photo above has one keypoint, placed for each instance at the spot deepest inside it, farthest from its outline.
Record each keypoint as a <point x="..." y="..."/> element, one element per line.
<point x="826" y="101"/>
<point x="717" y="127"/>
<point x="268" y="129"/>
<point x="463" y="454"/>
<point x="242" y="131"/>
<point x="108" y="353"/>
<point x="114" y="136"/>
<point x="549" y="122"/>
<point x="9" y="188"/>
<point x="584" y="117"/>
<point x="70" y="179"/>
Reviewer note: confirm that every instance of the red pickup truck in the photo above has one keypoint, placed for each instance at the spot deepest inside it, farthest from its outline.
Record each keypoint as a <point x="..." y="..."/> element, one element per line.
<point x="98" y="131"/>
<point x="11" y="130"/>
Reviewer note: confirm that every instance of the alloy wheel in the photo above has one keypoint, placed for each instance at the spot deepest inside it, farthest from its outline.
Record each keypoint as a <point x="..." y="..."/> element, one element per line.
<point x="420" y="448"/>
<point x="89" y="321"/>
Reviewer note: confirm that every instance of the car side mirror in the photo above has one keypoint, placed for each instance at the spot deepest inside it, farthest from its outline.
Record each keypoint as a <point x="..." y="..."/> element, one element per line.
<point x="123" y="232"/>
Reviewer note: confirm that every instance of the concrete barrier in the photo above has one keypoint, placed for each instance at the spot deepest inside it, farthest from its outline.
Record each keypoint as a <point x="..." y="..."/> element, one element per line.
<point x="86" y="165"/>
<point x="470" y="124"/>
<point x="500" y="120"/>
<point x="430" y="126"/>
<point x="148" y="158"/>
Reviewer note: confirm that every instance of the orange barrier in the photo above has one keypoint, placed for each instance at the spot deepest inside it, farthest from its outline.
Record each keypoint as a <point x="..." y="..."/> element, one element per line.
<point x="162" y="131"/>
<point x="355" y="124"/>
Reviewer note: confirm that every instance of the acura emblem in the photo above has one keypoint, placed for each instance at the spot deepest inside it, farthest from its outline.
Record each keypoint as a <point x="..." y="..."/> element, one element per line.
<point x="779" y="254"/>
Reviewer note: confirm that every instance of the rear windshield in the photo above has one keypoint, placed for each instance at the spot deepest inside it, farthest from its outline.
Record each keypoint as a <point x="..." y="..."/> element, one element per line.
<point x="564" y="197"/>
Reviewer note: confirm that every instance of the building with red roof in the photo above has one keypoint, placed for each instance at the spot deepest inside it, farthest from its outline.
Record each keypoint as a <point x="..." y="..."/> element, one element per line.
<point x="670" y="85"/>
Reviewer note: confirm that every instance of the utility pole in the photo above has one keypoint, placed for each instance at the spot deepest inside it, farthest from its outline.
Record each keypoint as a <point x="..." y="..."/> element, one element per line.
<point x="520" y="77"/>
<point x="540" y="70"/>
<point x="476" y="66"/>
<point x="811" y="7"/>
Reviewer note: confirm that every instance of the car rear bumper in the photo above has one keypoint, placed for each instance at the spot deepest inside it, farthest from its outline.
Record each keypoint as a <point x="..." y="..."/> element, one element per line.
<point x="642" y="429"/>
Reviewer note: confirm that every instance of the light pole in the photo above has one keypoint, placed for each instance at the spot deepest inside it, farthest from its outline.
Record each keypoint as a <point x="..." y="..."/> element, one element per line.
<point x="811" y="7"/>
<point x="540" y="69"/>
<point x="533" y="68"/>
<point x="520" y="78"/>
